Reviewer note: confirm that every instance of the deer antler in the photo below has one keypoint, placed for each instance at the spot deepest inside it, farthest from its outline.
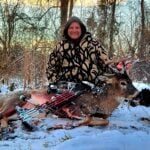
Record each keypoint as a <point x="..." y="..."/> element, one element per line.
<point x="116" y="71"/>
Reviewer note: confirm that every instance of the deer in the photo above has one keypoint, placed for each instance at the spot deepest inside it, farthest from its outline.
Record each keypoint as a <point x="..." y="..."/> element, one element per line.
<point x="92" y="107"/>
<point x="96" y="107"/>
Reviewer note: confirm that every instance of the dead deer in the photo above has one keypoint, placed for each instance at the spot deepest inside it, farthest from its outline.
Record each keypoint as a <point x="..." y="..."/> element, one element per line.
<point x="117" y="87"/>
<point x="8" y="103"/>
<point x="92" y="108"/>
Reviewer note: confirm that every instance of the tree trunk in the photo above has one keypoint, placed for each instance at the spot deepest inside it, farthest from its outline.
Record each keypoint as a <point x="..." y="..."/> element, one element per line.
<point x="141" y="43"/>
<point x="112" y="23"/>
<point x="71" y="8"/>
<point x="102" y="33"/>
<point x="64" y="13"/>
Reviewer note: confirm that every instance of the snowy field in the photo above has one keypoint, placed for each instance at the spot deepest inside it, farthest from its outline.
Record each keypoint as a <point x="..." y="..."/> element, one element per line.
<point x="126" y="131"/>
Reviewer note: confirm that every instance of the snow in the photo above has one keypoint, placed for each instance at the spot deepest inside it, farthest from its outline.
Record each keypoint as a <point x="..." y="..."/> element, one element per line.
<point x="140" y="85"/>
<point x="4" y="89"/>
<point x="126" y="131"/>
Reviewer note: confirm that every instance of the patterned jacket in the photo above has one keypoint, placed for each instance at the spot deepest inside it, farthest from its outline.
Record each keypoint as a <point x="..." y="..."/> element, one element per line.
<point x="82" y="62"/>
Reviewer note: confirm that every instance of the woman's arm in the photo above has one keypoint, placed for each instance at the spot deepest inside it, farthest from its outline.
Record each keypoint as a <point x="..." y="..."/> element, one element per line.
<point x="104" y="55"/>
<point x="53" y="69"/>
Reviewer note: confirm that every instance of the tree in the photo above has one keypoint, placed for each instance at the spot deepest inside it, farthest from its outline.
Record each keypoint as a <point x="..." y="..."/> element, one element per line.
<point x="102" y="11"/>
<point x="9" y="15"/>
<point x="142" y="36"/>
<point x="112" y="24"/>
<point x="66" y="11"/>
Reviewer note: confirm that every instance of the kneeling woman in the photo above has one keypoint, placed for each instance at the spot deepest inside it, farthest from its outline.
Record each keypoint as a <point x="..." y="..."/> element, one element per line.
<point x="77" y="56"/>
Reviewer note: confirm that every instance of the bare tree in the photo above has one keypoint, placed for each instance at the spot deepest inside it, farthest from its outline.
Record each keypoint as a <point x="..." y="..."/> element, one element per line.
<point x="71" y="7"/>
<point x="112" y="24"/>
<point x="64" y="13"/>
<point x="9" y="15"/>
<point x="103" y="20"/>
<point x="142" y="43"/>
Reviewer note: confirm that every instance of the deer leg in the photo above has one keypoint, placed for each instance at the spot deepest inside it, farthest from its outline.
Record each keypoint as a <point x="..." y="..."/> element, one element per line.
<point x="85" y="121"/>
<point x="4" y="122"/>
<point x="70" y="113"/>
<point x="93" y="121"/>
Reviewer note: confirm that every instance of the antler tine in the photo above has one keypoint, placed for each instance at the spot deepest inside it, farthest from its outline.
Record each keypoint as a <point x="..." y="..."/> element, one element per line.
<point x="116" y="71"/>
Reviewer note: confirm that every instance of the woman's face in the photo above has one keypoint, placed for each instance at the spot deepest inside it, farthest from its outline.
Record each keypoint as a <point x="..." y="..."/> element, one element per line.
<point x="74" y="30"/>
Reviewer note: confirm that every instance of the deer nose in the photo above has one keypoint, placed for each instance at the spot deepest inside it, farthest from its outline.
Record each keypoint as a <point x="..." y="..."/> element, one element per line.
<point x="134" y="103"/>
<point x="132" y="90"/>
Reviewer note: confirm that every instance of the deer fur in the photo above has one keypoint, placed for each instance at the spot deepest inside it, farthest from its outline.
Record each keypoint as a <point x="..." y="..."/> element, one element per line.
<point x="88" y="106"/>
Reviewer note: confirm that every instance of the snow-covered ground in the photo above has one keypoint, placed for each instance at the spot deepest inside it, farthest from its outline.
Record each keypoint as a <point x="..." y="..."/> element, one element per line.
<point x="126" y="131"/>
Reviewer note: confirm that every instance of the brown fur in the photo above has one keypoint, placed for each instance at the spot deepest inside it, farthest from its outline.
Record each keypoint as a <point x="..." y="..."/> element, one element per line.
<point x="11" y="100"/>
<point x="105" y="103"/>
<point x="87" y="104"/>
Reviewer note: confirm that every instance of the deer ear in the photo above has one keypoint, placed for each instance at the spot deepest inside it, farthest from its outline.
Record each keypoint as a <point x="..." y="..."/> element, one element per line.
<point x="105" y="79"/>
<point x="102" y="78"/>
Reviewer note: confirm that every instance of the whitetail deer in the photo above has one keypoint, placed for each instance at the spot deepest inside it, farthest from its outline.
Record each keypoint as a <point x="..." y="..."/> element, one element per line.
<point x="116" y="88"/>
<point x="89" y="105"/>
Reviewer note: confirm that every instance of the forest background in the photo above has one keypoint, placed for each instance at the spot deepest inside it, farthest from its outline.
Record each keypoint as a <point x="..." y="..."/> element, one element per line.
<point x="30" y="29"/>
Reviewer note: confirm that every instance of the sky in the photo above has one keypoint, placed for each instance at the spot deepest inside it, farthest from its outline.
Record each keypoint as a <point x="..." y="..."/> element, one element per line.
<point x="126" y="131"/>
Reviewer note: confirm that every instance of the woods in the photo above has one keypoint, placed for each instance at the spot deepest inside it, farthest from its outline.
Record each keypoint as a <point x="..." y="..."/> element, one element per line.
<point x="29" y="32"/>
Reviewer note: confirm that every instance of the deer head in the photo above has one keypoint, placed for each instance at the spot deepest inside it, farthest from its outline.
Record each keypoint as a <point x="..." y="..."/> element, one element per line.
<point x="119" y="83"/>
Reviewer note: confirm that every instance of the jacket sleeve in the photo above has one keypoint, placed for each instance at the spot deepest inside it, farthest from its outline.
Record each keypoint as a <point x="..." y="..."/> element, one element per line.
<point x="54" y="66"/>
<point x="103" y="54"/>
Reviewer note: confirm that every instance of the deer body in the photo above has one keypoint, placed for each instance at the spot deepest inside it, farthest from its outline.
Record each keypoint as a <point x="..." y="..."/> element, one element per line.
<point x="117" y="87"/>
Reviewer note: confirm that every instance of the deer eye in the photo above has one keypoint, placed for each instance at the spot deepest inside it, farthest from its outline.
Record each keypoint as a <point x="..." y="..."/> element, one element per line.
<point x="123" y="83"/>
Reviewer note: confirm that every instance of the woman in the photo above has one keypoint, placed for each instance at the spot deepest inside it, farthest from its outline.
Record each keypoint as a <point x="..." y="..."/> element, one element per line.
<point x="77" y="57"/>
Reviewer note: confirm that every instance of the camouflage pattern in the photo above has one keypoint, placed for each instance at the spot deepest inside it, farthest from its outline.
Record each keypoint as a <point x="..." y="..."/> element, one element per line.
<point x="77" y="62"/>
